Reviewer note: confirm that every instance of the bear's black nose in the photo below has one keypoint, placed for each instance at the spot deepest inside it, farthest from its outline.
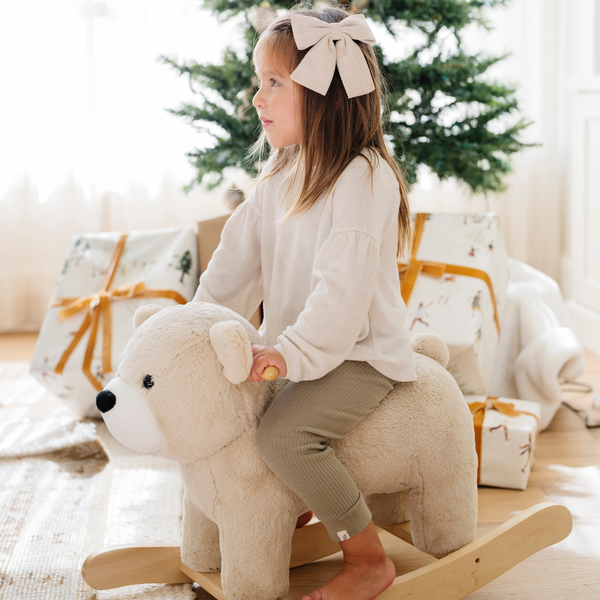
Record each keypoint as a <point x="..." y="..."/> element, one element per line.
<point x="105" y="400"/>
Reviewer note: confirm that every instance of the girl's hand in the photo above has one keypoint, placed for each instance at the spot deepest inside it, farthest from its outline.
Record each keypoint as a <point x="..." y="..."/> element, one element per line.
<point x="263" y="357"/>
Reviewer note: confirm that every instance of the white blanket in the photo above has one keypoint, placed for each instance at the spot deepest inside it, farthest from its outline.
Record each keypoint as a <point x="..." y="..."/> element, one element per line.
<point x="537" y="344"/>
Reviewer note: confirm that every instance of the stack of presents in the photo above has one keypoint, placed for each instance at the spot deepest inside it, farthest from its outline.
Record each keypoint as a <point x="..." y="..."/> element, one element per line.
<point x="501" y="320"/>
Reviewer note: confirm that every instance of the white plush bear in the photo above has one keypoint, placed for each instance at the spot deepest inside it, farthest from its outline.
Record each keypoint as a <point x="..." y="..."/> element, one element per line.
<point x="181" y="391"/>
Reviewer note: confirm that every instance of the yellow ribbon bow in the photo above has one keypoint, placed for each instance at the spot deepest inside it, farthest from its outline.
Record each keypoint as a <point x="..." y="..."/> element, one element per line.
<point x="478" y="411"/>
<point x="411" y="270"/>
<point x="99" y="305"/>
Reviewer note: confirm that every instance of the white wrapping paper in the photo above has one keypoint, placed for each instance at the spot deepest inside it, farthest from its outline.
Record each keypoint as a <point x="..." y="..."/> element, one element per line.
<point x="508" y="444"/>
<point x="162" y="259"/>
<point x="459" y="308"/>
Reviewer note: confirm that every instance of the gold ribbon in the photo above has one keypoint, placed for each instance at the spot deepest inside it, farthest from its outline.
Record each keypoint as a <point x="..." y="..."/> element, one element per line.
<point x="478" y="411"/>
<point x="99" y="305"/>
<point x="411" y="270"/>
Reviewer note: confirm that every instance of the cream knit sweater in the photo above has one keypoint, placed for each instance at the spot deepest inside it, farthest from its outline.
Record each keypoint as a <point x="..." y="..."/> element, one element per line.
<point x="328" y="280"/>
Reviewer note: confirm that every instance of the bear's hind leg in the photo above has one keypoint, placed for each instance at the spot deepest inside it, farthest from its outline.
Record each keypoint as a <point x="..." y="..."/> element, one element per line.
<point x="200" y="541"/>
<point x="443" y="513"/>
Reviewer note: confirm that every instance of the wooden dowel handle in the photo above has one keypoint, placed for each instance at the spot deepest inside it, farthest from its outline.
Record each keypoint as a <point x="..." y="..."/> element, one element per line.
<point x="271" y="373"/>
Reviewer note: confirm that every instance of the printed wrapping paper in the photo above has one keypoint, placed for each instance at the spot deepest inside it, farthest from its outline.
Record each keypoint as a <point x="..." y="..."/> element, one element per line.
<point x="105" y="278"/>
<point x="454" y="284"/>
<point x="506" y="435"/>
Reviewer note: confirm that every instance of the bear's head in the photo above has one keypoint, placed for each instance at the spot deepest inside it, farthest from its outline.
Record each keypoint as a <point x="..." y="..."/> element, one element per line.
<point x="181" y="388"/>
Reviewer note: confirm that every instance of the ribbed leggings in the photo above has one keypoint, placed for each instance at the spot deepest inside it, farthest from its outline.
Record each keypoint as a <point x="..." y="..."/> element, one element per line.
<point x="295" y="434"/>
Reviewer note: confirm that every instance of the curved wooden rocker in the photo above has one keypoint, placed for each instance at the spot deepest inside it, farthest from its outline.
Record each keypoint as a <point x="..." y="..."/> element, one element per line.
<point x="450" y="578"/>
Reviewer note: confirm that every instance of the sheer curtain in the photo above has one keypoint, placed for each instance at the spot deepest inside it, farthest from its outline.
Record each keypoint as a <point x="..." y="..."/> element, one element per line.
<point x="86" y="144"/>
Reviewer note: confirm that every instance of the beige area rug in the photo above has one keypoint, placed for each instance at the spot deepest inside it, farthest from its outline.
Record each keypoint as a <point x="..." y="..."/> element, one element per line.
<point x="67" y="488"/>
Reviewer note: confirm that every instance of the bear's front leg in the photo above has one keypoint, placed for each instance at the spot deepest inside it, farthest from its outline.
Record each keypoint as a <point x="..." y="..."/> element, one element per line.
<point x="256" y="545"/>
<point x="200" y="540"/>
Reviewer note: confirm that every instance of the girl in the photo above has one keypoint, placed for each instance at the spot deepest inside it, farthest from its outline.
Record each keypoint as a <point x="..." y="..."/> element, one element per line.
<point x="328" y="278"/>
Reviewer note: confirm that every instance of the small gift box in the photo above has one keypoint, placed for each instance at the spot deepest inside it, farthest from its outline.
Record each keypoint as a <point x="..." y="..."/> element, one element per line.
<point x="454" y="284"/>
<point x="105" y="278"/>
<point x="506" y="434"/>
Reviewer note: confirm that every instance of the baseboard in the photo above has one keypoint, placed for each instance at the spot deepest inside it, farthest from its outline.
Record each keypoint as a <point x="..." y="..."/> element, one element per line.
<point x="586" y="323"/>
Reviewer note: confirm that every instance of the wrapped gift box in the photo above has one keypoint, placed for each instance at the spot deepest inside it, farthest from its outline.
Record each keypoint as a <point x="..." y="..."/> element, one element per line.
<point x="209" y="236"/>
<point x="454" y="284"/>
<point x="105" y="278"/>
<point x="506" y="434"/>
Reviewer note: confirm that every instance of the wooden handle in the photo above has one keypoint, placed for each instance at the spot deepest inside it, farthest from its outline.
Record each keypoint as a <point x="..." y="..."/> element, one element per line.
<point x="270" y="373"/>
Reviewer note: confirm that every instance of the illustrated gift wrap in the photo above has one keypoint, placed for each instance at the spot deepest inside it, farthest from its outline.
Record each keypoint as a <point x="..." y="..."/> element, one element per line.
<point x="506" y="434"/>
<point x="454" y="284"/>
<point x="105" y="278"/>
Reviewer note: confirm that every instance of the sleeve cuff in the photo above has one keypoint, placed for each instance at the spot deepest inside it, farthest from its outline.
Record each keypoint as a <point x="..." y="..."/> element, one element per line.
<point x="289" y="375"/>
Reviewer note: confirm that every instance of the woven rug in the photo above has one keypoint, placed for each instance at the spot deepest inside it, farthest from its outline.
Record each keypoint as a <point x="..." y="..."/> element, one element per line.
<point x="67" y="488"/>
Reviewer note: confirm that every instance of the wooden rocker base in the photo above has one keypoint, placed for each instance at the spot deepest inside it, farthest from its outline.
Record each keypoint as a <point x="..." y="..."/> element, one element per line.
<point x="450" y="578"/>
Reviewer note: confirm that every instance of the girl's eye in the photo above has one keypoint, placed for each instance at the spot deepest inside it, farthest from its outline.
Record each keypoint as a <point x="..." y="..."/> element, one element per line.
<point x="260" y="84"/>
<point x="148" y="383"/>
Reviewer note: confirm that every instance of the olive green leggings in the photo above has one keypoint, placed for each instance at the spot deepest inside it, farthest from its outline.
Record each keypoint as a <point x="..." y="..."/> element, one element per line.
<point x="295" y="434"/>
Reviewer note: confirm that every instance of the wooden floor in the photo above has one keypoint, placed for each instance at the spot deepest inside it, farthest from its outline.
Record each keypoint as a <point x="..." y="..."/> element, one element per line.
<point x="567" y="471"/>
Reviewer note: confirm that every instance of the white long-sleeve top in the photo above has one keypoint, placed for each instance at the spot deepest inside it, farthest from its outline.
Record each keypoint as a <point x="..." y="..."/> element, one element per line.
<point x="328" y="281"/>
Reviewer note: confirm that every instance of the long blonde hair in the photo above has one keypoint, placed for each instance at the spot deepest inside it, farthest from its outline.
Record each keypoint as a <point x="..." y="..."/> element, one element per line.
<point x="335" y="129"/>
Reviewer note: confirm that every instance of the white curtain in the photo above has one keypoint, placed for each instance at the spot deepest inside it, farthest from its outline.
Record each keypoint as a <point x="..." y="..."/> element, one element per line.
<point x="86" y="144"/>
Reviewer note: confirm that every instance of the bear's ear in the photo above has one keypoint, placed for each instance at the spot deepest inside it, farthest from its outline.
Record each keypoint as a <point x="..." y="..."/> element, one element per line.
<point x="144" y="312"/>
<point x="233" y="348"/>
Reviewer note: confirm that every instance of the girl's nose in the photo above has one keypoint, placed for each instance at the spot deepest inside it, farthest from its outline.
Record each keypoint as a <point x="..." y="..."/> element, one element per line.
<point x="258" y="100"/>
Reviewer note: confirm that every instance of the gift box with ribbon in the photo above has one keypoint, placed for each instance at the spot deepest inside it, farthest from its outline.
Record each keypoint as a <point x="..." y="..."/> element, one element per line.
<point x="506" y="435"/>
<point x="105" y="278"/>
<point x="454" y="284"/>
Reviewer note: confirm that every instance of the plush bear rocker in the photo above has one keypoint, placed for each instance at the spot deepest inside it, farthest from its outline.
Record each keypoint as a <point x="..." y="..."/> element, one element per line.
<point x="181" y="391"/>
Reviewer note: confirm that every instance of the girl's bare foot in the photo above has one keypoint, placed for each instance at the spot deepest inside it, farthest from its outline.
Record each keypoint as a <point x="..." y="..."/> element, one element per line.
<point x="367" y="571"/>
<point x="304" y="519"/>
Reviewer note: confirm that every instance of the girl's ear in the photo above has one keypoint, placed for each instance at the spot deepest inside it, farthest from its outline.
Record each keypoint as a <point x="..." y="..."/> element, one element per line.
<point x="234" y="350"/>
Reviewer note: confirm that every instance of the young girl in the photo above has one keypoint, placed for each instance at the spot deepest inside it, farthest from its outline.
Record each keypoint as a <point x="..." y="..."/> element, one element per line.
<point x="328" y="278"/>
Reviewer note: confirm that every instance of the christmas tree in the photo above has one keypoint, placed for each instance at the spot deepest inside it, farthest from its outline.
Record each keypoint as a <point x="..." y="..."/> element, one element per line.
<point x="439" y="110"/>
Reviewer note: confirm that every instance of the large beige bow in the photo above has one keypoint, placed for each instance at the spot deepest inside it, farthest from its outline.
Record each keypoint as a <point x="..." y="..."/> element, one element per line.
<point x="316" y="69"/>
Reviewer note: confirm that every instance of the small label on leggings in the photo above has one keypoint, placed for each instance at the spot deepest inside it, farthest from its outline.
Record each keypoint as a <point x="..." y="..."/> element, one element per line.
<point x="343" y="535"/>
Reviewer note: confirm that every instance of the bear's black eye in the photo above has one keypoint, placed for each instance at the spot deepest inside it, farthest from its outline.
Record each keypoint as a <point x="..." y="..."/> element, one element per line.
<point x="148" y="383"/>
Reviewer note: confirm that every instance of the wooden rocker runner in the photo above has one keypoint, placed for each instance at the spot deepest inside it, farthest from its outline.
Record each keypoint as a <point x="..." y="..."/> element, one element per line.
<point x="450" y="578"/>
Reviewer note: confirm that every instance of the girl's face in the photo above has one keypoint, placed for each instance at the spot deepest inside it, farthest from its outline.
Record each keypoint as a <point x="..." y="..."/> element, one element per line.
<point x="276" y="101"/>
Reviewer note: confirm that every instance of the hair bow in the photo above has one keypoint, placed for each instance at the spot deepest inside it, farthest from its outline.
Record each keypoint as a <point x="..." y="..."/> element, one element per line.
<point x="316" y="69"/>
